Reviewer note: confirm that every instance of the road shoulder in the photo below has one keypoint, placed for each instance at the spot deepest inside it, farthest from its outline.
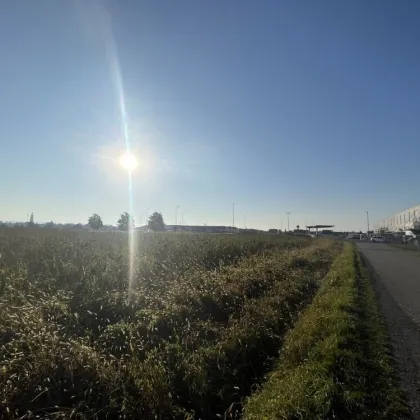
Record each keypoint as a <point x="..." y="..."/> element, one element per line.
<point x="404" y="341"/>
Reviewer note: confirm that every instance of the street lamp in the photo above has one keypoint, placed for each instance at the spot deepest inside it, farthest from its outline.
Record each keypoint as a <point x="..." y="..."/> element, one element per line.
<point x="288" y="227"/>
<point x="176" y="216"/>
<point x="233" y="215"/>
<point x="367" y="217"/>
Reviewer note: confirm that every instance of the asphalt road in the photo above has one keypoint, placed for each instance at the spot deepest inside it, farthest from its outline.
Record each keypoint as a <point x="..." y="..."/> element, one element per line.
<point x="396" y="276"/>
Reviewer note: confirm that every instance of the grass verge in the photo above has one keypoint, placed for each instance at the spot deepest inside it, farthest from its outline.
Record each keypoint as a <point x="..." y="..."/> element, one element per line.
<point x="335" y="362"/>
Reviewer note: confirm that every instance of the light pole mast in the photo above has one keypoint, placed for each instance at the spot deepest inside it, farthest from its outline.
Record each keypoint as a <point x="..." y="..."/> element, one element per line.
<point x="288" y="225"/>
<point x="367" y="217"/>
<point x="176" y="216"/>
<point x="233" y="215"/>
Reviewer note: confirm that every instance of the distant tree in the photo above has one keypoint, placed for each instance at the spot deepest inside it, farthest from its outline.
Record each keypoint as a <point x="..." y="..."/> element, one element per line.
<point x="125" y="221"/>
<point x="49" y="225"/>
<point x="156" y="222"/>
<point x="95" y="221"/>
<point x="297" y="227"/>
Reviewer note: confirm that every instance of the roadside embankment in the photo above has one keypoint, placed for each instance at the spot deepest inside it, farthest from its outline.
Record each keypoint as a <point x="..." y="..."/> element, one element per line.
<point x="335" y="362"/>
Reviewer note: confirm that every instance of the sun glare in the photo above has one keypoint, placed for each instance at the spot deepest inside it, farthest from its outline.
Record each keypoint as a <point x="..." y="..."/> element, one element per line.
<point x="128" y="161"/>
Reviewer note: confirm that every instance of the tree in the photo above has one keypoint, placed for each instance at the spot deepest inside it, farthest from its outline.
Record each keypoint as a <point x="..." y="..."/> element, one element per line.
<point x="156" y="222"/>
<point x="297" y="227"/>
<point x="49" y="225"/>
<point x="95" y="221"/>
<point x="125" y="221"/>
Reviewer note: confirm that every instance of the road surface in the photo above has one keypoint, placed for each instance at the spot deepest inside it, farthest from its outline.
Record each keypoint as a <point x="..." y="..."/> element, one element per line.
<point x="397" y="282"/>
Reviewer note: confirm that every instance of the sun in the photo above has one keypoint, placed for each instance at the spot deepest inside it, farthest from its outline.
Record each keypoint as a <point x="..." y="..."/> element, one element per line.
<point x="128" y="161"/>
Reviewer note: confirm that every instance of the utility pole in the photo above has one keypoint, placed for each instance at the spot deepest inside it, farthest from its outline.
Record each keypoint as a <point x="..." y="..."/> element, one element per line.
<point x="367" y="217"/>
<point x="182" y="219"/>
<point x="147" y="217"/>
<point x="245" y="221"/>
<point x="176" y="216"/>
<point x="288" y="225"/>
<point x="233" y="215"/>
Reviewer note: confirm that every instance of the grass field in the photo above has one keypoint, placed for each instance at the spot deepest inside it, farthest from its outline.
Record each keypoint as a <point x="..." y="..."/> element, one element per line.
<point x="202" y="325"/>
<point x="195" y="335"/>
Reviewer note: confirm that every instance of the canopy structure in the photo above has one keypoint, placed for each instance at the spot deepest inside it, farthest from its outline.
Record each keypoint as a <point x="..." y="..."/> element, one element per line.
<point x="319" y="227"/>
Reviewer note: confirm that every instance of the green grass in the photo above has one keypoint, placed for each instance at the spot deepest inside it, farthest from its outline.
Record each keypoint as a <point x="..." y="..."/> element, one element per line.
<point x="335" y="362"/>
<point x="203" y="323"/>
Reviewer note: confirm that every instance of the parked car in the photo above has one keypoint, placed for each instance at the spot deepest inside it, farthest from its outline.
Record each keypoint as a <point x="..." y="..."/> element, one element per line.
<point x="377" y="239"/>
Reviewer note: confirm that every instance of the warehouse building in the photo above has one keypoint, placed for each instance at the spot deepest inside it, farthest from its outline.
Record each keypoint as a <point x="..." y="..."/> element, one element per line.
<point x="407" y="220"/>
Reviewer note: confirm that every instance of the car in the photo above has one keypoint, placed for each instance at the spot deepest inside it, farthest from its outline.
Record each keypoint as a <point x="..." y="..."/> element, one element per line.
<point x="377" y="239"/>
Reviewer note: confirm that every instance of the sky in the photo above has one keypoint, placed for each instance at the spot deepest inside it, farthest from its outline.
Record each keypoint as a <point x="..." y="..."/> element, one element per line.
<point x="300" y="106"/>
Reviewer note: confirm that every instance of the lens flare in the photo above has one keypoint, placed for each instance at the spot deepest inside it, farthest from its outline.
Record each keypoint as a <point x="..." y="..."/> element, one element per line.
<point x="128" y="161"/>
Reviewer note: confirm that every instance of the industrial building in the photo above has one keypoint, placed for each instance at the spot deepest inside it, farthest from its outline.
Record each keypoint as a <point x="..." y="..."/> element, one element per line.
<point x="202" y="228"/>
<point x="407" y="220"/>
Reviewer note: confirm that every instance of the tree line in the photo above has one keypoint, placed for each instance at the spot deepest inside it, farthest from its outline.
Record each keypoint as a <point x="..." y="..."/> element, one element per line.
<point x="126" y="220"/>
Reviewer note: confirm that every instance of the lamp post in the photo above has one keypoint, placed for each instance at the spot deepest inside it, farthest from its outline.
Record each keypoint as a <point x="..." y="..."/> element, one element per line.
<point x="288" y="226"/>
<point x="233" y="215"/>
<point x="176" y="216"/>
<point x="367" y="218"/>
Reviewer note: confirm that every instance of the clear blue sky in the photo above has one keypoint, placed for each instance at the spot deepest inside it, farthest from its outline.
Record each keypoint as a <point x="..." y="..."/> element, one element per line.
<point x="308" y="106"/>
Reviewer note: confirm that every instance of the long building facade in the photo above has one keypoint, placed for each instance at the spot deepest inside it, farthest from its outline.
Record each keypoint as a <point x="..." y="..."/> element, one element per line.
<point x="406" y="220"/>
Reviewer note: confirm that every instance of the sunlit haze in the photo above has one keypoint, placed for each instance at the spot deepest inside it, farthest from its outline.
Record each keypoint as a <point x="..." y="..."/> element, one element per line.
<point x="128" y="161"/>
<point x="308" y="107"/>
